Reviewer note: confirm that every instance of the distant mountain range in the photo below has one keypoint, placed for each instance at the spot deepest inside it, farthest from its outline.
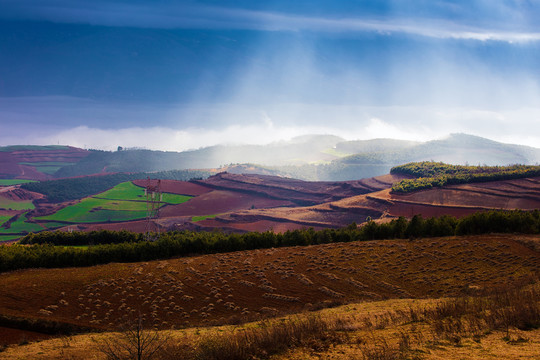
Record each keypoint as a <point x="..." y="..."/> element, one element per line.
<point x="311" y="157"/>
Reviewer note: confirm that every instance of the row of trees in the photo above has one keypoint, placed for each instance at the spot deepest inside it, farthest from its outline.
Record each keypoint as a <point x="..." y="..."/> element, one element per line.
<point x="436" y="174"/>
<point x="124" y="246"/>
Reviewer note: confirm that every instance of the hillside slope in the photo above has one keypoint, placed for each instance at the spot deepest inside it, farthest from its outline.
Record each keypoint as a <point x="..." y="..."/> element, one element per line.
<point x="221" y="288"/>
<point x="455" y="200"/>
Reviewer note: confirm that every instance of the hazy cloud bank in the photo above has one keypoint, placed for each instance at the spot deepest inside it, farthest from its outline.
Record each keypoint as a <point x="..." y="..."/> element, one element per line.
<point x="191" y="127"/>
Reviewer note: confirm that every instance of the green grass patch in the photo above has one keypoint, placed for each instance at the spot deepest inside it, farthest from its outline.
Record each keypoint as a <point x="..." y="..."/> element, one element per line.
<point x="124" y="191"/>
<point x="175" y="199"/>
<point x="32" y="147"/>
<point x="129" y="191"/>
<point x="47" y="167"/>
<point x="110" y="215"/>
<point x="47" y="163"/>
<point x="15" y="205"/>
<point x="53" y="225"/>
<point x="21" y="226"/>
<point x="82" y="247"/>
<point x="4" y="218"/>
<point x="99" y="210"/>
<point x="8" y="182"/>
<point x="203" y="217"/>
<point x="9" y="237"/>
<point x="123" y="202"/>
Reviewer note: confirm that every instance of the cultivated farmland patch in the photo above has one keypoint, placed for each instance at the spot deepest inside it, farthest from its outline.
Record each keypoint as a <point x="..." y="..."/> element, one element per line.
<point x="124" y="202"/>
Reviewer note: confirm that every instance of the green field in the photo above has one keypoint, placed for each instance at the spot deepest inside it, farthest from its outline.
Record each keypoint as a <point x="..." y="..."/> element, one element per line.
<point x="15" y="205"/>
<point x="32" y="147"/>
<point x="99" y="210"/>
<point x="203" y="217"/>
<point x="9" y="237"/>
<point x="4" y="218"/>
<point x="123" y="202"/>
<point x="123" y="191"/>
<point x="128" y="191"/>
<point x="47" y="167"/>
<point x="53" y="225"/>
<point x="21" y="226"/>
<point x="8" y="182"/>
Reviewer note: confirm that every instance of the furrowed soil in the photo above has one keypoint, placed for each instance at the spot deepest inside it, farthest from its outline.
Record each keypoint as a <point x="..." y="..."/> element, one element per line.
<point x="239" y="286"/>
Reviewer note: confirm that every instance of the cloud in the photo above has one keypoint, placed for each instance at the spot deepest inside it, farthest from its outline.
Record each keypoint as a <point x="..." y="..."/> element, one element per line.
<point x="181" y="15"/>
<point x="169" y="139"/>
<point x="521" y="126"/>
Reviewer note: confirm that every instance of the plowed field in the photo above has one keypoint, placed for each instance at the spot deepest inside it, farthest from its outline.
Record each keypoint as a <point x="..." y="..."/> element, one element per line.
<point x="224" y="288"/>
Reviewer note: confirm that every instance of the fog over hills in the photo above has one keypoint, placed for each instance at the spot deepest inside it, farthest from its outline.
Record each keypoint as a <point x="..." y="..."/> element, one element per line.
<point x="314" y="157"/>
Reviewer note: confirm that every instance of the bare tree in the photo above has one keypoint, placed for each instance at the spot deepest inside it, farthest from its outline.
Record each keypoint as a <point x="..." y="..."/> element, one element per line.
<point x="134" y="342"/>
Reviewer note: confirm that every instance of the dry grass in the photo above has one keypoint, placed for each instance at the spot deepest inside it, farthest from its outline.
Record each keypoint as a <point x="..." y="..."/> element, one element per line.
<point x="386" y="330"/>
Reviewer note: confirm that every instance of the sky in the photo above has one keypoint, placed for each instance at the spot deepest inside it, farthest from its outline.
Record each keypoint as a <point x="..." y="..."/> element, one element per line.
<point x="178" y="75"/>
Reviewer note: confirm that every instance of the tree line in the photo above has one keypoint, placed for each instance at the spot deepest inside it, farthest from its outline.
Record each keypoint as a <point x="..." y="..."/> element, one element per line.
<point x="41" y="250"/>
<point x="436" y="174"/>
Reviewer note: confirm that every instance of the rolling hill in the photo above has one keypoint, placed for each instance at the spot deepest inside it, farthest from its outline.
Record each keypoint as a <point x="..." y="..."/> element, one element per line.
<point x="314" y="157"/>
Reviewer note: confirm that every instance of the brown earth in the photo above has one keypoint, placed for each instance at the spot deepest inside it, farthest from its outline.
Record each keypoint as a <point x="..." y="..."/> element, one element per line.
<point x="280" y="217"/>
<point x="221" y="201"/>
<point x="223" y="288"/>
<point x="15" y="193"/>
<point x="462" y="200"/>
<point x="457" y="200"/>
<point x="16" y="336"/>
<point x="298" y="191"/>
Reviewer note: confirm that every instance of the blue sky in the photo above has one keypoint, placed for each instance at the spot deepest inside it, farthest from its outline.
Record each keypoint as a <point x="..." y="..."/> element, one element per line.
<point x="176" y="75"/>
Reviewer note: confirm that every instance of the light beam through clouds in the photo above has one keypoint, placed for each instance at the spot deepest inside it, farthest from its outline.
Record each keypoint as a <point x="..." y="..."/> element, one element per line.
<point x="177" y="75"/>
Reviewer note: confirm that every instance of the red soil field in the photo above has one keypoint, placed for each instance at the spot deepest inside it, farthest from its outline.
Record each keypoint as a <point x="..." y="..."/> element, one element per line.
<point x="458" y="201"/>
<point x="221" y="201"/>
<point x="233" y="287"/>
<point x="17" y="194"/>
<point x="298" y="191"/>
<point x="462" y="200"/>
